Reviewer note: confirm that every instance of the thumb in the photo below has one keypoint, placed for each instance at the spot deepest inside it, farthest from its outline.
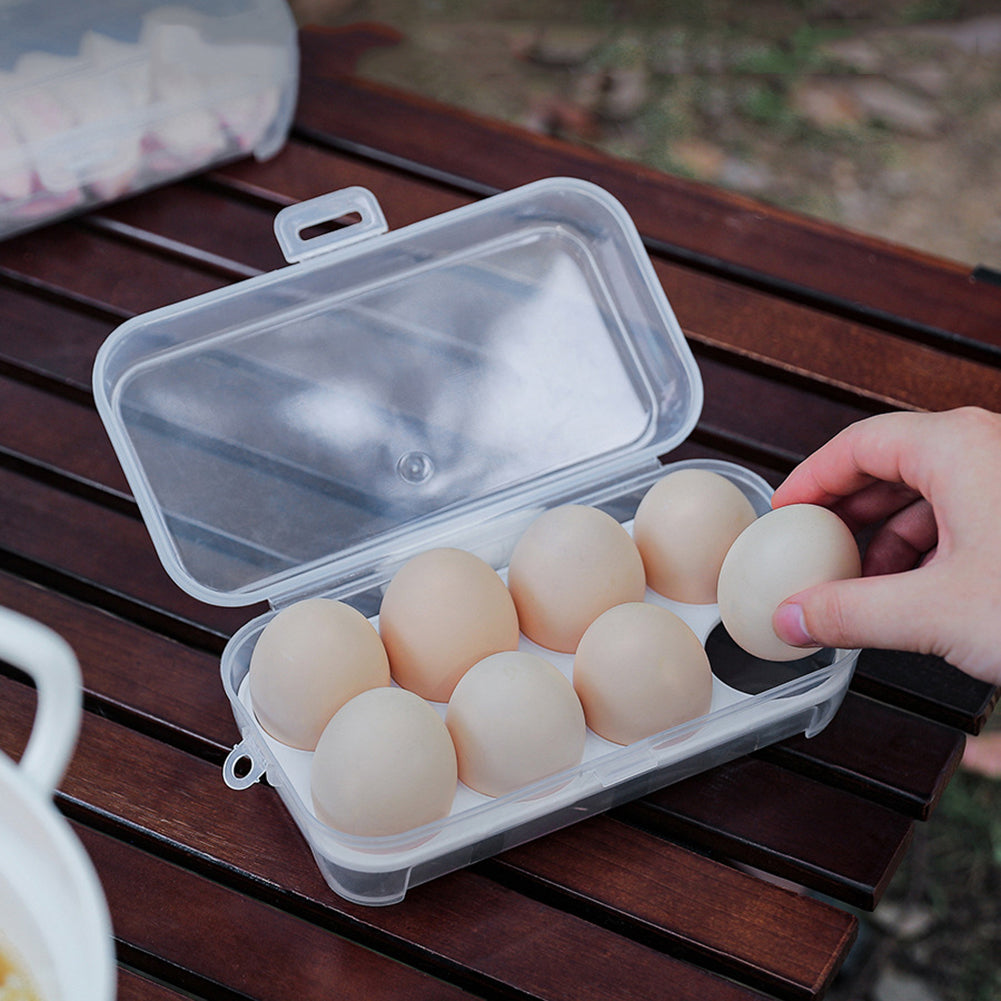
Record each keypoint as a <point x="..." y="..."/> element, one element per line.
<point x="889" y="612"/>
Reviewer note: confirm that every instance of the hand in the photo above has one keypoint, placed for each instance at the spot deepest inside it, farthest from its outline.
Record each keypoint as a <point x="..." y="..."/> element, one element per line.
<point x="931" y="574"/>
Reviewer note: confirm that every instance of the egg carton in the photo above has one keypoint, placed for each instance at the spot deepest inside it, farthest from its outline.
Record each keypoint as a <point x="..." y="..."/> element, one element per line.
<point x="306" y="432"/>
<point x="797" y="697"/>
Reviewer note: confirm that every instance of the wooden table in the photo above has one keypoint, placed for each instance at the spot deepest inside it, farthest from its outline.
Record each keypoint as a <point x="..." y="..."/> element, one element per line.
<point x="799" y="328"/>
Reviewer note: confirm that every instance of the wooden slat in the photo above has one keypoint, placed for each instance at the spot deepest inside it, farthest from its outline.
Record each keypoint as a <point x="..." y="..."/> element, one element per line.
<point x="49" y="338"/>
<point x="890" y="370"/>
<point x="157" y="682"/>
<point x="94" y="546"/>
<point x="92" y="267"/>
<point x="838" y="844"/>
<point x="793" y="934"/>
<point x="171" y="220"/>
<point x="742" y="940"/>
<point x="905" y="286"/>
<point x="750" y="406"/>
<point x="881" y="753"/>
<point x="135" y="987"/>
<point x="201" y="937"/>
<point x="928" y="685"/>
<point x="304" y="170"/>
<point x="58" y="434"/>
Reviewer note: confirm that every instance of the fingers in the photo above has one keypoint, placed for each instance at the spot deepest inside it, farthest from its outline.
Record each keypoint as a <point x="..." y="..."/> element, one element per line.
<point x="879" y="448"/>
<point x="873" y="504"/>
<point x="922" y="611"/>
<point x="903" y="542"/>
<point x="896" y="612"/>
<point x="937" y="455"/>
<point x="931" y="484"/>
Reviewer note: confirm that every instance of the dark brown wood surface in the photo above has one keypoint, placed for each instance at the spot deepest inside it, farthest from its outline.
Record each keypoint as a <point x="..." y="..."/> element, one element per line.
<point x="798" y="327"/>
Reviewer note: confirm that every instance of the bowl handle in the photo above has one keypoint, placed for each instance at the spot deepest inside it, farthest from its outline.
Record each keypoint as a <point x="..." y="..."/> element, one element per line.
<point x="49" y="660"/>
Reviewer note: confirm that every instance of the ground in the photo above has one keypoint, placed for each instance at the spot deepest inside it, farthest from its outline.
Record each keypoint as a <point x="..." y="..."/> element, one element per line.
<point x="883" y="118"/>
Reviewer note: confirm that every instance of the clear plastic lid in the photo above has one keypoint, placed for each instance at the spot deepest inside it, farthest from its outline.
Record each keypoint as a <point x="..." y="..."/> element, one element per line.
<point x="294" y="429"/>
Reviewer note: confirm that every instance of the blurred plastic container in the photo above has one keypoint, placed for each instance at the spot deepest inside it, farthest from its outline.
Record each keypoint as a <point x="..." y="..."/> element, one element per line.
<point x="99" y="100"/>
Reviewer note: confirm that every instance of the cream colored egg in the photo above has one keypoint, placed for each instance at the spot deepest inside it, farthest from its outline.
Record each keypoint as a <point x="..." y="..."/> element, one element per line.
<point x="514" y="718"/>
<point x="309" y="660"/>
<point x="782" y="553"/>
<point x="443" y="611"/>
<point x="683" y="528"/>
<point x="639" y="670"/>
<point x="384" y="765"/>
<point x="571" y="564"/>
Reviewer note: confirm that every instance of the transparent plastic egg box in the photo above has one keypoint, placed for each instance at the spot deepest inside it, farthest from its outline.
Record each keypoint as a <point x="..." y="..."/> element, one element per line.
<point x="306" y="432"/>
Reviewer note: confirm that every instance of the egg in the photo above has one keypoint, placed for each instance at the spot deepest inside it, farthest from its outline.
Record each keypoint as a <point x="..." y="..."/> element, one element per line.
<point x="442" y="612"/>
<point x="308" y="661"/>
<point x="684" y="526"/>
<point x="514" y="718"/>
<point x="570" y="565"/>
<point x="383" y="765"/>
<point x="640" y="669"/>
<point x="783" y="552"/>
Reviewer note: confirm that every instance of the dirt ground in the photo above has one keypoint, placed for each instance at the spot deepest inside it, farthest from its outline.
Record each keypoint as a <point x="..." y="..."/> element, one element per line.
<point x="884" y="118"/>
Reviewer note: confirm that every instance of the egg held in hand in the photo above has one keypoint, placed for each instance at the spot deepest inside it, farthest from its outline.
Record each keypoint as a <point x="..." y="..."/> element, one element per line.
<point x="640" y="669"/>
<point x="570" y="565"/>
<point x="308" y="661"/>
<point x="443" y="611"/>
<point x="684" y="526"/>
<point x="514" y="719"/>
<point x="782" y="553"/>
<point x="383" y="765"/>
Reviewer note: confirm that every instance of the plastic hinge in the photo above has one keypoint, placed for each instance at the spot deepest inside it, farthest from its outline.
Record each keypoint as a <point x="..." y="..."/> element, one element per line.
<point x="293" y="220"/>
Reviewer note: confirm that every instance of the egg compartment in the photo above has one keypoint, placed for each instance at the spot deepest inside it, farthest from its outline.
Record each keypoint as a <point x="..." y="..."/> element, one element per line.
<point x="98" y="101"/>
<point x="379" y="870"/>
<point x="306" y="432"/>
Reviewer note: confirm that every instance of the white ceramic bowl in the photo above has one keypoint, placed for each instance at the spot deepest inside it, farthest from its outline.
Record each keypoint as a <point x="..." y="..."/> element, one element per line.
<point x="53" y="915"/>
